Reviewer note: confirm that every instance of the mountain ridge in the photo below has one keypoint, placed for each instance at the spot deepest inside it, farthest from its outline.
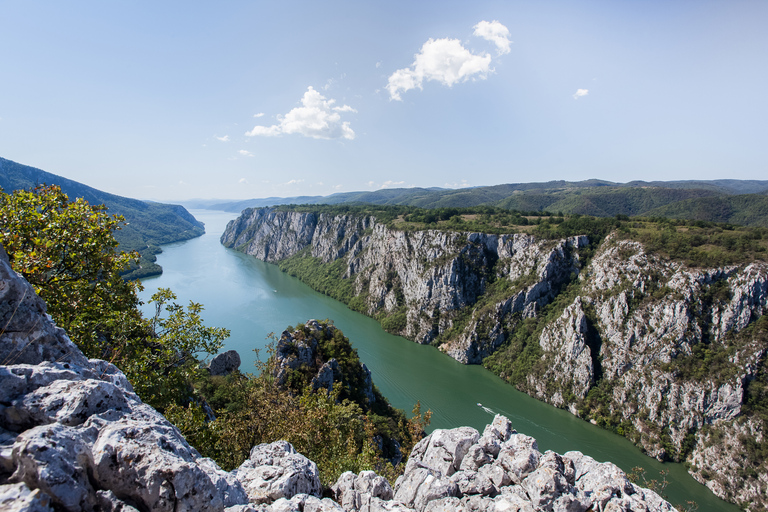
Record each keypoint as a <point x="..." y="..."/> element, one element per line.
<point x="590" y="197"/>
<point x="148" y="224"/>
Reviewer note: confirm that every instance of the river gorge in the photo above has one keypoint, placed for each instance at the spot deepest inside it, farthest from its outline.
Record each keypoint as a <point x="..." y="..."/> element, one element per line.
<point x="253" y="299"/>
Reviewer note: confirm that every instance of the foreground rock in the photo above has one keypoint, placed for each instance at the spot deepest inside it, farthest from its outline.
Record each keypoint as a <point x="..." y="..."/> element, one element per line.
<point x="75" y="437"/>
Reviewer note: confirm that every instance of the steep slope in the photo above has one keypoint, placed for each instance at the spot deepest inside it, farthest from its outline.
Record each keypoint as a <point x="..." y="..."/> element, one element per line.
<point x="671" y="356"/>
<point x="75" y="437"/>
<point x="149" y="224"/>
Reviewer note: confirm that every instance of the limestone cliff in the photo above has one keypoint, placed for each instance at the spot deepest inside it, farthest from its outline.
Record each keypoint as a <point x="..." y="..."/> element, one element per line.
<point x="670" y="356"/>
<point x="423" y="278"/>
<point x="75" y="437"/>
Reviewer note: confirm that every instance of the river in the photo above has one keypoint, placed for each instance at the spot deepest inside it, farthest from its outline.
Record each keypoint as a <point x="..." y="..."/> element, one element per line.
<point x="254" y="299"/>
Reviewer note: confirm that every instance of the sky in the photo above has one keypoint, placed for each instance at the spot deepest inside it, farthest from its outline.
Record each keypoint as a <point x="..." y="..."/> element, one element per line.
<point x="249" y="99"/>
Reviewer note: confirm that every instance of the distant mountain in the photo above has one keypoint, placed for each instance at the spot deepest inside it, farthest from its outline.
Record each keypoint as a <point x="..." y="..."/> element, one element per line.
<point x="149" y="224"/>
<point x="715" y="199"/>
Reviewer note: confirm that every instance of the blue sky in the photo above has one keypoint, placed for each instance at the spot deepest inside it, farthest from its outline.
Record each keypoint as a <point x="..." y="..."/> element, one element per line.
<point x="242" y="99"/>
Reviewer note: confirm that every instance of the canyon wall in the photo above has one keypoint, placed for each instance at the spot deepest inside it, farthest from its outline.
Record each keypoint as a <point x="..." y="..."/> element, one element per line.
<point x="670" y="356"/>
<point x="75" y="437"/>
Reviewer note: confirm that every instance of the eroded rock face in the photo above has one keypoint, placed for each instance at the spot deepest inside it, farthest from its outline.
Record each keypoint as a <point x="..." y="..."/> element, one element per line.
<point x="427" y="275"/>
<point x="75" y="437"/>
<point x="631" y="321"/>
<point x="299" y="350"/>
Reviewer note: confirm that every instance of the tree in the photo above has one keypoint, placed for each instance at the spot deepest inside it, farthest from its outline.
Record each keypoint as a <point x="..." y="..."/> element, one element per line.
<point x="163" y="367"/>
<point x="68" y="252"/>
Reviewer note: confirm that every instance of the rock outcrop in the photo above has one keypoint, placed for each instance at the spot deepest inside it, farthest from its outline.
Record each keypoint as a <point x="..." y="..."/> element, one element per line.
<point x="425" y="277"/>
<point x="225" y="363"/>
<point x="633" y="341"/>
<point x="75" y="437"/>
<point x="300" y="351"/>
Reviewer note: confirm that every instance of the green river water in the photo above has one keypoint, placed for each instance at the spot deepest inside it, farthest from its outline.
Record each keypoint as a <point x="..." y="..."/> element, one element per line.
<point x="253" y="299"/>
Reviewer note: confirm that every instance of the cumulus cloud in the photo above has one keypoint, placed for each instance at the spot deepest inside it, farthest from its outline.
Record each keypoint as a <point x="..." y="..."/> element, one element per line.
<point x="580" y="93"/>
<point x="463" y="184"/>
<point x="443" y="60"/>
<point x="243" y="181"/>
<point x="447" y="61"/>
<point x="294" y="182"/>
<point x="496" y="33"/>
<point x="386" y="184"/>
<point x="222" y="139"/>
<point x="243" y="152"/>
<point x="318" y="118"/>
<point x="260" y="114"/>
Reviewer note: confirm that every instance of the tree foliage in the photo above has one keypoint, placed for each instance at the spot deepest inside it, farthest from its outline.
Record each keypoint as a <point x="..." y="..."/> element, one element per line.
<point x="68" y="252"/>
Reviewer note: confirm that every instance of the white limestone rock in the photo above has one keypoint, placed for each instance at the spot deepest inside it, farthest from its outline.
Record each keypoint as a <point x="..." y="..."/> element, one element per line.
<point x="275" y="471"/>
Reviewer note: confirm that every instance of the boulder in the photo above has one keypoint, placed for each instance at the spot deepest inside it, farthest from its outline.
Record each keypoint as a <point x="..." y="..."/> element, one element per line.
<point x="275" y="471"/>
<point x="224" y="363"/>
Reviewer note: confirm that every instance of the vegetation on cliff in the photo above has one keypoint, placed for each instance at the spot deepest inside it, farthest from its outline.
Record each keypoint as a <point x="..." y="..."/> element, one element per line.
<point x="68" y="252"/>
<point x="338" y="429"/>
<point x="654" y="328"/>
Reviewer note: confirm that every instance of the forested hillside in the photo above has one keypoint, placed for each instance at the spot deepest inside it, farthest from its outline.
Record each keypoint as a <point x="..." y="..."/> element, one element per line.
<point x="148" y="224"/>
<point x="716" y="200"/>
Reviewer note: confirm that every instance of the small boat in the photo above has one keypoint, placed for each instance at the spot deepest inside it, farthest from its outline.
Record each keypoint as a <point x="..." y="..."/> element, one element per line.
<point x="479" y="404"/>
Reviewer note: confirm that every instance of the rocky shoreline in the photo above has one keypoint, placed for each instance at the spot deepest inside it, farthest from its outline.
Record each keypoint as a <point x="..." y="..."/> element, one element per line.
<point x="74" y="436"/>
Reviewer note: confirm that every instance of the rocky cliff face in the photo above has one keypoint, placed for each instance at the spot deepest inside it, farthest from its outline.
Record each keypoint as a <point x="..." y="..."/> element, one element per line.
<point x="75" y="437"/>
<point x="423" y="278"/>
<point x="670" y="356"/>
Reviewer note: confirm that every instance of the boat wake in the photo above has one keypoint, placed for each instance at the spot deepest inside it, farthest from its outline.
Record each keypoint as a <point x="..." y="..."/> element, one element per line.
<point x="486" y="409"/>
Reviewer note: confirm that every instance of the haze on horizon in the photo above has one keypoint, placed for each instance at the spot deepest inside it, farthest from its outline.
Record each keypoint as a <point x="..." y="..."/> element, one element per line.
<point x="176" y="100"/>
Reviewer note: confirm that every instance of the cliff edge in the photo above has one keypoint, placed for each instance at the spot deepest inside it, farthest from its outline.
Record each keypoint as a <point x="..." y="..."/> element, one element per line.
<point x="74" y="436"/>
<point x="669" y="355"/>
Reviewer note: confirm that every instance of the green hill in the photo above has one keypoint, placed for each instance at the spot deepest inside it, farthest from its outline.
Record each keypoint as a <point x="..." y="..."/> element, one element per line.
<point x="149" y="224"/>
<point x="745" y="210"/>
<point x="599" y="198"/>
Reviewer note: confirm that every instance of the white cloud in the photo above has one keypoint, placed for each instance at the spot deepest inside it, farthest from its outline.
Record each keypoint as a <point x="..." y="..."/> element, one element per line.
<point x="243" y="181"/>
<point x="260" y="114"/>
<point x="294" y="182"/>
<point x="463" y="184"/>
<point x="443" y="60"/>
<point x="316" y="118"/>
<point x="222" y="139"/>
<point x="245" y="153"/>
<point x="495" y="32"/>
<point x="580" y="93"/>
<point x="387" y="184"/>
<point x="378" y="65"/>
